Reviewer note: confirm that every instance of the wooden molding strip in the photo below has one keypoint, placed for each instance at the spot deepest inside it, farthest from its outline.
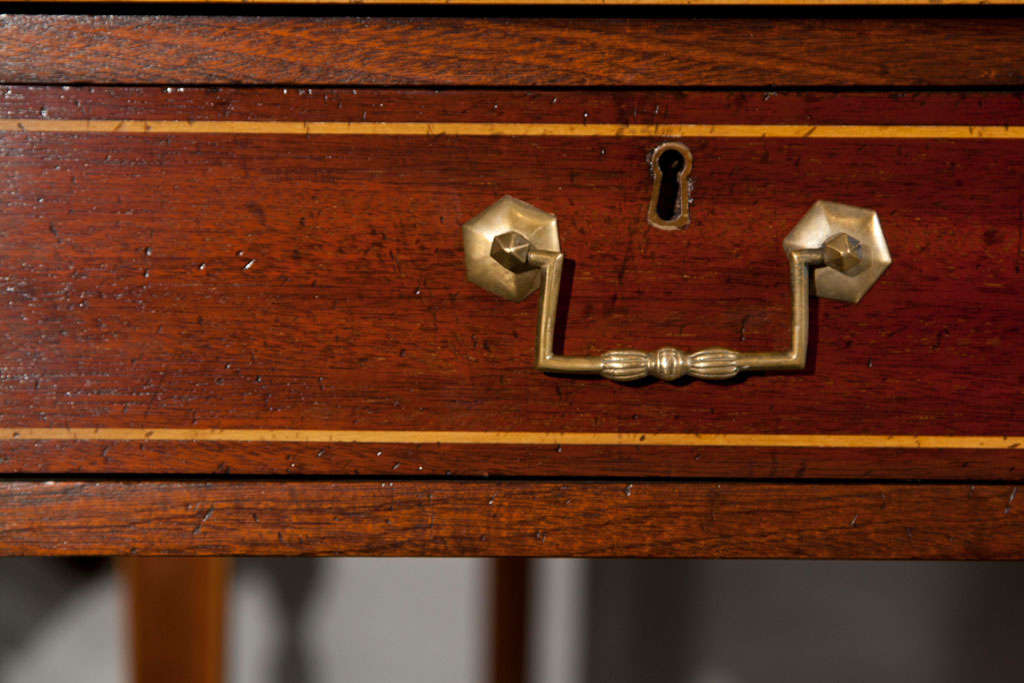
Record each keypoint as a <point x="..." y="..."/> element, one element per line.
<point x="520" y="438"/>
<point x="710" y="130"/>
<point x="763" y="51"/>
<point x="515" y="518"/>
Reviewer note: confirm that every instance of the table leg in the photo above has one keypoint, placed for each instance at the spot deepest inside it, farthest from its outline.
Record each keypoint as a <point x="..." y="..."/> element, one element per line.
<point x="509" y="619"/>
<point x="176" y="608"/>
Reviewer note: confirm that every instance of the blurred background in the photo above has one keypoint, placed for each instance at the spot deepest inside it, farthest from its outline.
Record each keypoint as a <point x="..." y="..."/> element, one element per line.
<point x="422" y="620"/>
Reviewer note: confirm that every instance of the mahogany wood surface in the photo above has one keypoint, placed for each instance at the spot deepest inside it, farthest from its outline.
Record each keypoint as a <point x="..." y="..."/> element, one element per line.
<point x="518" y="518"/>
<point x="758" y="50"/>
<point x="564" y="106"/>
<point x="285" y="279"/>
<point x="316" y="282"/>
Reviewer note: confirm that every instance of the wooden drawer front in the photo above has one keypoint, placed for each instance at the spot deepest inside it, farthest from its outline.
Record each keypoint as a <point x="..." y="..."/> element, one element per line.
<point x="286" y="265"/>
<point x="235" y="316"/>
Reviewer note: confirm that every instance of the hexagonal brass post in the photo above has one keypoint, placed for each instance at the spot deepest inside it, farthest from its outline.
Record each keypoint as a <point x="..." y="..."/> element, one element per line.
<point x="842" y="230"/>
<point x="508" y="214"/>
<point x="512" y="249"/>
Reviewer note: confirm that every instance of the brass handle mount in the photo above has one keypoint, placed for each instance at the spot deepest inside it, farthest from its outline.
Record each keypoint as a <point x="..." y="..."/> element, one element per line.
<point x="512" y="249"/>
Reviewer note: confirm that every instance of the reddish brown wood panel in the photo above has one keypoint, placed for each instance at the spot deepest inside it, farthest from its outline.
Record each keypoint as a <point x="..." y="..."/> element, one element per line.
<point x="479" y="51"/>
<point x="461" y="518"/>
<point x="326" y="290"/>
<point x="618" y="106"/>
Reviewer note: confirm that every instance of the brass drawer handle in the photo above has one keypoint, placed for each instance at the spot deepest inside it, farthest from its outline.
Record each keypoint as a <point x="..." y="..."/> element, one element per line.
<point x="512" y="249"/>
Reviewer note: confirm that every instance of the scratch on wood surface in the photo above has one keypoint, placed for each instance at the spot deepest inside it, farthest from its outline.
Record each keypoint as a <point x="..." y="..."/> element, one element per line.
<point x="202" y="520"/>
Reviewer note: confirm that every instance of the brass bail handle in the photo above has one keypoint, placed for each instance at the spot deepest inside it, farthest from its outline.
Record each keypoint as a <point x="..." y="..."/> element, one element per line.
<point x="512" y="249"/>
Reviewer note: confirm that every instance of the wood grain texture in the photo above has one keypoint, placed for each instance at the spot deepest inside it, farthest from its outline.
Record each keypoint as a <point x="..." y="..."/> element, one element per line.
<point x="127" y="303"/>
<point x="521" y="52"/>
<point x="501" y="107"/>
<point x="517" y="518"/>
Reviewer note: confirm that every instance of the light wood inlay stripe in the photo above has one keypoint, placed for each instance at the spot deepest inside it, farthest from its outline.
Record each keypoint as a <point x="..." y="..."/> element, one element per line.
<point x="708" y="130"/>
<point x="521" y="438"/>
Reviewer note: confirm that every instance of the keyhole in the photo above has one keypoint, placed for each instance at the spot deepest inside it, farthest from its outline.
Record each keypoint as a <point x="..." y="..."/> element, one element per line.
<point x="670" y="163"/>
<point x="670" y="166"/>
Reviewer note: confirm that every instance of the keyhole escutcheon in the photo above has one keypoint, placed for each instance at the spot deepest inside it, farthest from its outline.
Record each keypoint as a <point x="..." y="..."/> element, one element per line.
<point x="671" y="163"/>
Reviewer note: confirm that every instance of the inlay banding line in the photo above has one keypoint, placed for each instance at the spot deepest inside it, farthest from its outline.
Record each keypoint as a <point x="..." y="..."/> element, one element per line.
<point x="894" y="441"/>
<point x="455" y="128"/>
